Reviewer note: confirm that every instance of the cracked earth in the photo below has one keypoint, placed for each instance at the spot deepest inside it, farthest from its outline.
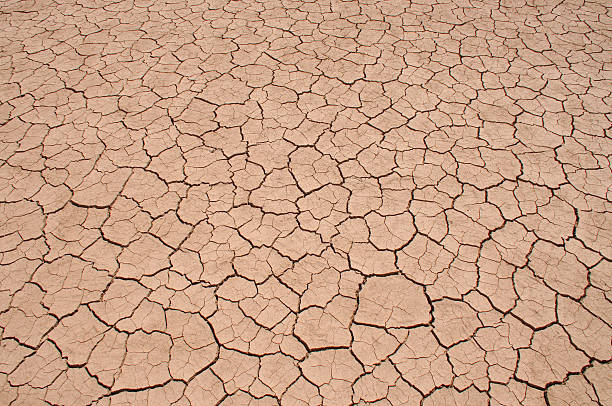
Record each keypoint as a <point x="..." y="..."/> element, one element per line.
<point x="209" y="202"/>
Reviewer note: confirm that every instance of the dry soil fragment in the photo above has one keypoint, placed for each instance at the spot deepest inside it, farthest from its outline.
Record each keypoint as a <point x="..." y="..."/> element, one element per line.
<point x="392" y="301"/>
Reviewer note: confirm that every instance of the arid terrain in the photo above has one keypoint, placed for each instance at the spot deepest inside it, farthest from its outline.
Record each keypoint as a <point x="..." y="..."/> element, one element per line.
<point x="212" y="202"/>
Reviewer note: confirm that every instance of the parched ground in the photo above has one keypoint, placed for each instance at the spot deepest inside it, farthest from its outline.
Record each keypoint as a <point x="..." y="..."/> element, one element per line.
<point x="305" y="203"/>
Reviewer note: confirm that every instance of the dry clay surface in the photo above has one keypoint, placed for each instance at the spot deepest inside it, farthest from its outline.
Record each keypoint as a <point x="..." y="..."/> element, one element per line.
<point x="305" y="203"/>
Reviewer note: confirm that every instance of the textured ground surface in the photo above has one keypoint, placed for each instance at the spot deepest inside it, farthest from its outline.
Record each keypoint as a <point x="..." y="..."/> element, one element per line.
<point x="304" y="203"/>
